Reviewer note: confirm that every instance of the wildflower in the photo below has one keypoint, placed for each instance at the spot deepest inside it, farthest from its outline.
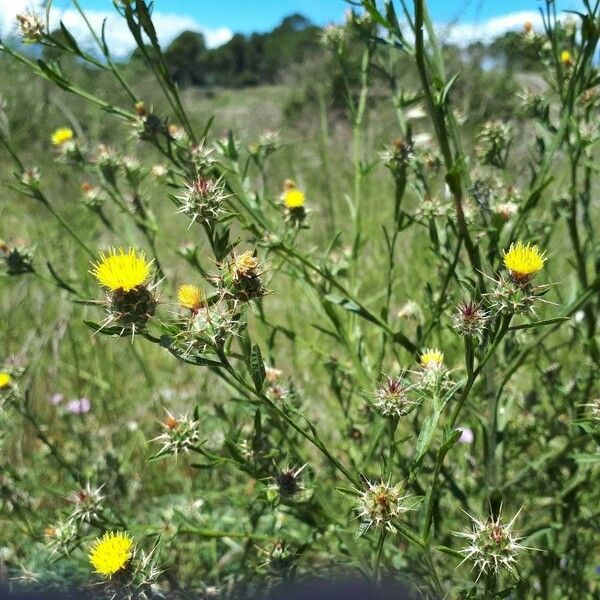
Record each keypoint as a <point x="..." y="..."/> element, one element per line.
<point x="494" y="141"/>
<point x="79" y="407"/>
<point x="381" y="503"/>
<point x="56" y="398"/>
<point x="392" y="398"/>
<point x="411" y="311"/>
<point x="122" y="270"/>
<point x="240" y="277"/>
<point x="287" y="484"/>
<point x="272" y="374"/>
<point x="180" y="434"/>
<point x="288" y="481"/>
<point x="293" y="202"/>
<point x="62" y="536"/>
<point x="32" y="27"/>
<point x="466" y="435"/>
<point x="493" y="546"/>
<point x="141" y="109"/>
<point x="111" y="553"/>
<point x="334" y="36"/>
<point x="203" y="200"/>
<point x="190" y="296"/>
<point x="92" y="195"/>
<point x="397" y="155"/>
<point x="528" y="26"/>
<point x="293" y="197"/>
<point x="470" y="320"/>
<point x="160" y="172"/>
<point x="566" y="59"/>
<point x="125" y="274"/>
<point x="61" y="136"/>
<point x="17" y="259"/>
<point x="5" y="381"/>
<point x="31" y="178"/>
<point x="210" y="328"/>
<point x="87" y="504"/>
<point x="432" y="359"/>
<point x="523" y="261"/>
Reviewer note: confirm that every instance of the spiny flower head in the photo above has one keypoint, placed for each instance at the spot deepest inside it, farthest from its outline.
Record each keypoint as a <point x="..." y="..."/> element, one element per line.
<point x="524" y="261"/>
<point x="287" y="483"/>
<point x="245" y="265"/>
<point x="392" y="398"/>
<point x="493" y="546"/>
<point x="203" y="199"/>
<point x="5" y="381"/>
<point x="381" y="503"/>
<point x="122" y="269"/>
<point x="180" y="434"/>
<point x="32" y="27"/>
<point x="432" y="359"/>
<point x="61" y="136"/>
<point x="62" y="537"/>
<point x="190" y="296"/>
<point x="111" y="553"/>
<point x="470" y="320"/>
<point x="87" y="504"/>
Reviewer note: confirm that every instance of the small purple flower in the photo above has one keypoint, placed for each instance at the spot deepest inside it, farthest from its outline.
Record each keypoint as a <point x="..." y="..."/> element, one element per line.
<point x="466" y="435"/>
<point x="79" y="407"/>
<point x="56" y="398"/>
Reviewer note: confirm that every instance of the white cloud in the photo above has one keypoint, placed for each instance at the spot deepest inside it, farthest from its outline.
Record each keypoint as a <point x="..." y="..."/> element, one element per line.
<point x="120" y="40"/>
<point x="463" y="34"/>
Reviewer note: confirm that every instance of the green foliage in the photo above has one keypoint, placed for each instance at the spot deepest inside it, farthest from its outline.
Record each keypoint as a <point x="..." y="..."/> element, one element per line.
<point x="364" y="384"/>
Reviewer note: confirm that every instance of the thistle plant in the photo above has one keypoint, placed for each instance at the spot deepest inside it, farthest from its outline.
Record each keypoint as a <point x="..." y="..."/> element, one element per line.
<point x="360" y="330"/>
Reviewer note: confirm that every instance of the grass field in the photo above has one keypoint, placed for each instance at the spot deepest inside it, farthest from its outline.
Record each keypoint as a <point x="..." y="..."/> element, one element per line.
<point x="360" y="291"/>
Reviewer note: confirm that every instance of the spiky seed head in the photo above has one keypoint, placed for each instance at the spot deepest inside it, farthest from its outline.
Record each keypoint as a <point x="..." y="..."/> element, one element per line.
<point x="470" y="320"/>
<point x="180" y="434"/>
<point x="393" y="399"/>
<point x="381" y="503"/>
<point x="32" y="27"/>
<point x="493" y="545"/>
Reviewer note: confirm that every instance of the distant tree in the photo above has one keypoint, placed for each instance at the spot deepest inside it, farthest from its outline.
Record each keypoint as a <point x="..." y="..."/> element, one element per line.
<point x="185" y="57"/>
<point x="515" y="51"/>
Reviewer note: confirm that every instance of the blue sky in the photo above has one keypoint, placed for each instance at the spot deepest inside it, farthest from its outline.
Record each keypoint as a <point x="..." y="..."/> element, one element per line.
<point x="459" y="21"/>
<point x="261" y="15"/>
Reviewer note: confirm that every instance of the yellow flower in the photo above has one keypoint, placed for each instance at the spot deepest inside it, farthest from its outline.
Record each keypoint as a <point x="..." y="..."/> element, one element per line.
<point x="293" y="198"/>
<point x="121" y="270"/>
<point x="111" y="553"/>
<point x="61" y="136"/>
<point x="5" y="380"/>
<point x="566" y="58"/>
<point x="190" y="296"/>
<point x="524" y="261"/>
<point x="431" y="359"/>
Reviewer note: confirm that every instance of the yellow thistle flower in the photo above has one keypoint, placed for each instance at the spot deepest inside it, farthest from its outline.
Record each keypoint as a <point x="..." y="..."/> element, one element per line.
<point x="566" y="59"/>
<point x="432" y="359"/>
<point x="5" y="380"/>
<point x="61" y="136"/>
<point x="524" y="261"/>
<point x="190" y="296"/>
<point x="111" y="553"/>
<point x="121" y="270"/>
<point x="293" y="198"/>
